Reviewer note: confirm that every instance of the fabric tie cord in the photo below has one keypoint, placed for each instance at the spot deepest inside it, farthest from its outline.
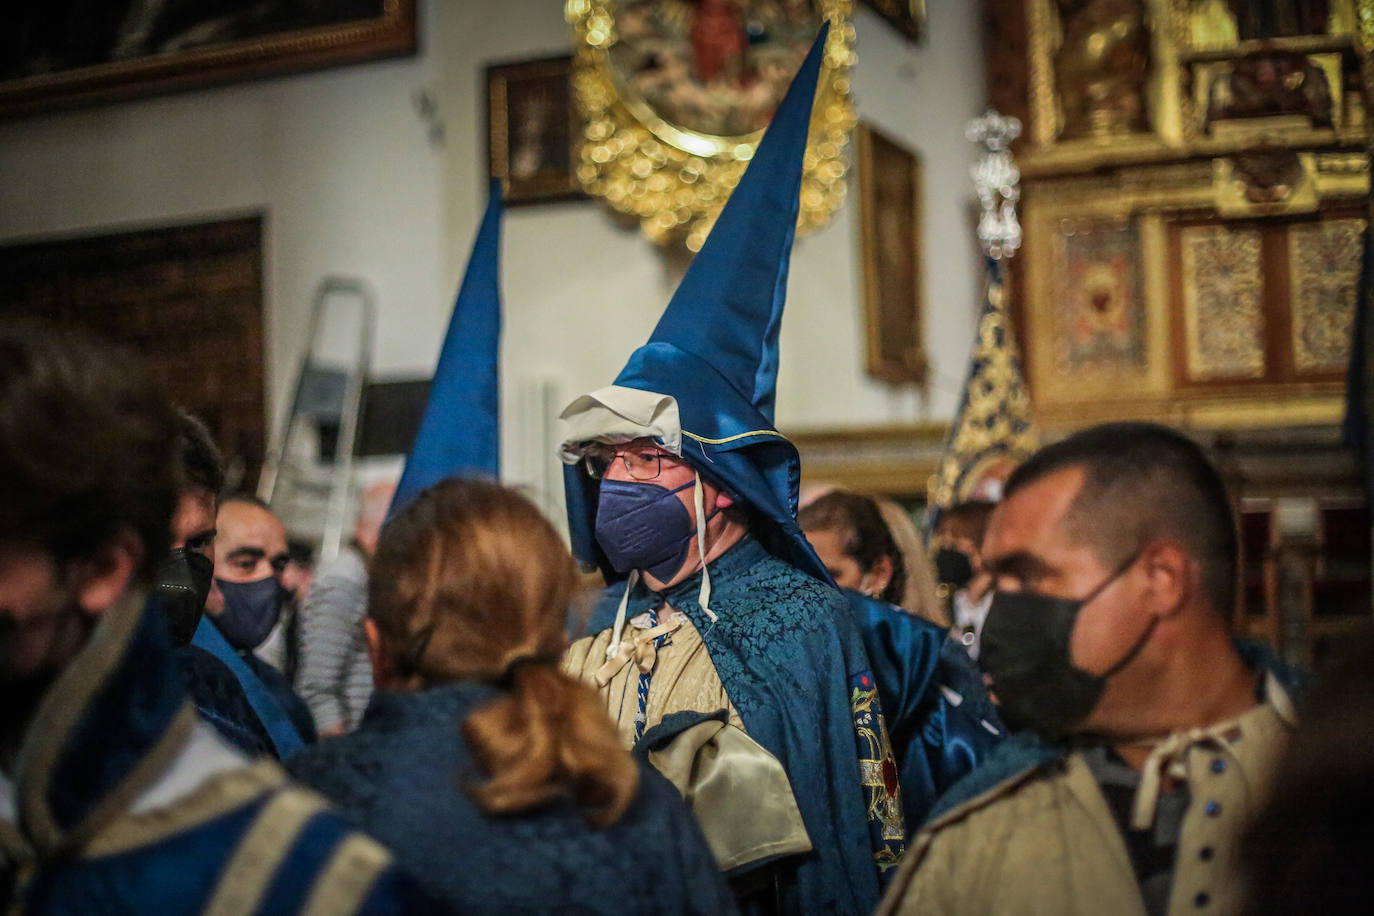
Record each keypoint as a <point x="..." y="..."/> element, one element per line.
<point x="642" y="649"/>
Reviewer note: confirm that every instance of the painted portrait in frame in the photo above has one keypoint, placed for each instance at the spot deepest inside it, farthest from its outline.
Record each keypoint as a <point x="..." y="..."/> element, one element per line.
<point x="64" y="53"/>
<point x="531" y="137"/>
<point x="890" y="192"/>
<point x="676" y="94"/>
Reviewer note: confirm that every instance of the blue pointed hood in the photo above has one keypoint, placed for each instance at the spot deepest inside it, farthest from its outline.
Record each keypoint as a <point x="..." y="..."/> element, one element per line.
<point x="715" y="350"/>
<point x="461" y="429"/>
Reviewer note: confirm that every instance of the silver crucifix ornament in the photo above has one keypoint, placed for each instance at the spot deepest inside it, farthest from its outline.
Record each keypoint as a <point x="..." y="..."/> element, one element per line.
<point x="998" y="182"/>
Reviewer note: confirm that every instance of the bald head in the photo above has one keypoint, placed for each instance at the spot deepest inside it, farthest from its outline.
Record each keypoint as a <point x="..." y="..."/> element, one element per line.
<point x="250" y="541"/>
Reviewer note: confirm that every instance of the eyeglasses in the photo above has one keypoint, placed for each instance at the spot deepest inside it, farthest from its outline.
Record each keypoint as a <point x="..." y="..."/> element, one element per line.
<point x="643" y="463"/>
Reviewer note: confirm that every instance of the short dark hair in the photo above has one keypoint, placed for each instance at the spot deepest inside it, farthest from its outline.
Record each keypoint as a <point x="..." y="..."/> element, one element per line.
<point x="87" y="447"/>
<point x="201" y="463"/>
<point x="1143" y="481"/>
<point x="867" y="539"/>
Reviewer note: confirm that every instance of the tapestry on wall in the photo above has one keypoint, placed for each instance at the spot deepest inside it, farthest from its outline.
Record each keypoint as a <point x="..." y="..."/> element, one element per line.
<point x="186" y="299"/>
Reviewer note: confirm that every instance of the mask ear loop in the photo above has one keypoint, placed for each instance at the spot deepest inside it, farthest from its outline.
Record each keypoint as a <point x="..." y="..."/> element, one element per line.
<point x="619" y="628"/>
<point x="704" y="597"/>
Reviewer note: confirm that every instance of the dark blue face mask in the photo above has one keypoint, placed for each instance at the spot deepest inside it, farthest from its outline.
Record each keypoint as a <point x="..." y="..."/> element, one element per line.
<point x="250" y="611"/>
<point x="642" y="525"/>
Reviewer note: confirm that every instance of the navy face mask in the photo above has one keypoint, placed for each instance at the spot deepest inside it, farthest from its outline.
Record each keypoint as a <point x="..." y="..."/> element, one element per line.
<point x="183" y="584"/>
<point x="251" y="610"/>
<point x="641" y="525"/>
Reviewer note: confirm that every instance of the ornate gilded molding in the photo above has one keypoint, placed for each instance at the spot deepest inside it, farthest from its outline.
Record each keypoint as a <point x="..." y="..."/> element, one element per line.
<point x="665" y="149"/>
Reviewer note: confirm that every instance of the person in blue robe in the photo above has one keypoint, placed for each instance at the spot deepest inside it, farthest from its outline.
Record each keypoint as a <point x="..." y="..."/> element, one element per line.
<point x="114" y="796"/>
<point x="722" y="638"/>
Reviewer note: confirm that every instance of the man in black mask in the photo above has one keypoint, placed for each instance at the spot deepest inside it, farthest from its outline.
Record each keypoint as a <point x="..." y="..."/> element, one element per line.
<point x="185" y="578"/>
<point x="185" y="581"/>
<point x="250" y="558"/>
<point x="1148" y="735"/>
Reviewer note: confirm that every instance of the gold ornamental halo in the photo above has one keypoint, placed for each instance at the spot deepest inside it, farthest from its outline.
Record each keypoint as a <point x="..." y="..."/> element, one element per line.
<point x="671" y="177"/>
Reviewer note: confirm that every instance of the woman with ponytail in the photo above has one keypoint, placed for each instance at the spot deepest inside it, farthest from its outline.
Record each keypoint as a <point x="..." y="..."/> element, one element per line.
<point x="497" y="779"/>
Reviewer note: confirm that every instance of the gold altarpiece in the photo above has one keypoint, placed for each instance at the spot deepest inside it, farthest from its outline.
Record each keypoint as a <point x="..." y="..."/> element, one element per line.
<point x="1194" y="178"/>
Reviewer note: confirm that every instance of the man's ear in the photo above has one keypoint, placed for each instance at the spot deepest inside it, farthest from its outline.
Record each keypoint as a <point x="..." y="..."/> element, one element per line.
<point x="723" y="499"/>
<point x="102" y="578"/>
<point x="1170" y="575"/>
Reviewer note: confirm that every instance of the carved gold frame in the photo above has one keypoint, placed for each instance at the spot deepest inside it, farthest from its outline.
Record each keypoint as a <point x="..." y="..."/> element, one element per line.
<point x="1174" y="133"/>
<point x="674" y="180"/>
<point x="393" y="32"/>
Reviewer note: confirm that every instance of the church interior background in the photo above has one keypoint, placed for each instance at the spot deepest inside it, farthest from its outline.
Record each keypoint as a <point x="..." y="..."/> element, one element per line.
<point x="1194" y="195"/>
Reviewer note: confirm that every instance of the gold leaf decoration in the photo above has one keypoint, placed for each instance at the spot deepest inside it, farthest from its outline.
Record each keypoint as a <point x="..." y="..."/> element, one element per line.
<point x="676" y="95"/>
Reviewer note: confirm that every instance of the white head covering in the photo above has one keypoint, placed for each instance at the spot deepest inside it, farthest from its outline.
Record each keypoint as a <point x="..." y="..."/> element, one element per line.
<point x="615" y="414"/>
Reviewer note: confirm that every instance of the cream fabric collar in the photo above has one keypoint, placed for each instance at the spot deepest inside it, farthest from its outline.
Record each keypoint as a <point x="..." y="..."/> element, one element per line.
<point x="1168" y="755"/>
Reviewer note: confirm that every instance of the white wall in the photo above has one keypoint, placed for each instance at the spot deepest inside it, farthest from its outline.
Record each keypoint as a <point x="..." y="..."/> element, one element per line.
<point x="343" y="165"/>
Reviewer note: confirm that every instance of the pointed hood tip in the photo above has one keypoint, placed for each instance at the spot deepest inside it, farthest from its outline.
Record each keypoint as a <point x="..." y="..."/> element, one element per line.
<point x="460" y="432"/>
<point x="715" y="350"/>
<point x="728" y="308"/>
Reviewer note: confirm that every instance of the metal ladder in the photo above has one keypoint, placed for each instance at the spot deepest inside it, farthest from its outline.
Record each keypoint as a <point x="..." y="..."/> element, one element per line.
<point x="307" y="477"/>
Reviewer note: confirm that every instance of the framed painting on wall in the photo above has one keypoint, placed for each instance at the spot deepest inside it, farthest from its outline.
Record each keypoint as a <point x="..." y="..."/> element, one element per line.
<point x="64" y="53"/>
<point x="890" y="211"/>
<point x="531" y="140"/>
<point x="906" y="16"/>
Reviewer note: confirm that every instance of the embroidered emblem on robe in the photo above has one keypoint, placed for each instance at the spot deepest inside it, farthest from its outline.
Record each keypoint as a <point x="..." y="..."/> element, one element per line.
<point x="878" y="772"/>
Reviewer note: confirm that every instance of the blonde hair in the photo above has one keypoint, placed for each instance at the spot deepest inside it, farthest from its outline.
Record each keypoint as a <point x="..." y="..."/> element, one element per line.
<point x="471" y="582"/>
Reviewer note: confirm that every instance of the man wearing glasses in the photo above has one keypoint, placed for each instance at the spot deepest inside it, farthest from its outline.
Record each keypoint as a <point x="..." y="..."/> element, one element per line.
<point x="722" y="649"/>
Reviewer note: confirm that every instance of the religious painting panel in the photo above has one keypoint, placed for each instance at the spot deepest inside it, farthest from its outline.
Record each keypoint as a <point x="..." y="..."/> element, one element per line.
<point x="1223" y="309"/>
<point x="186" y="299"/>
<point x="532" y="130"/>
<point x="890" y="214"/>
<point x="62" y="53"/>
<point x="1100" y="312"/>
<point x="1324" y="277"/>
<point x="676" y="96"/>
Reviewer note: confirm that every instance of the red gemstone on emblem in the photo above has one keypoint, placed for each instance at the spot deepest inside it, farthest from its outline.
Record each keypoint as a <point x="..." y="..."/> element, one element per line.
<point x="865" y="680"/>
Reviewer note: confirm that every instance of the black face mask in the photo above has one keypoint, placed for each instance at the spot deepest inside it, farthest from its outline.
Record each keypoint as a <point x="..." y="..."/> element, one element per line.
<point x="1025" y="650"/>
<point x="952" y="567"/>
<point x="182" y="585"/>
